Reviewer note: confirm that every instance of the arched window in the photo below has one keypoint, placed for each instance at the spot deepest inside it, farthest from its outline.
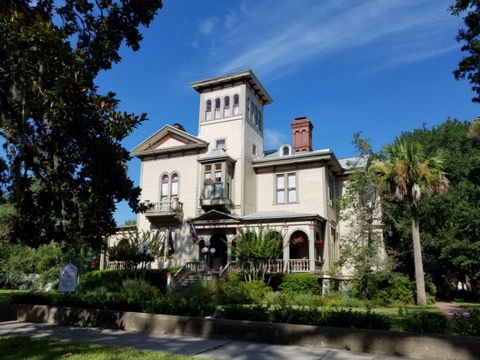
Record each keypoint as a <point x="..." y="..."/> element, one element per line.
<point x="226" y="106"/>
<point x="286" y="150"/>
<point x="169" y="185"/>
<point x="208" y="115"/>
<point x="174" y="186"/>
<point x="217" y="108"/>
<point x="236" y="102"/>
<point x="164" y="193"/>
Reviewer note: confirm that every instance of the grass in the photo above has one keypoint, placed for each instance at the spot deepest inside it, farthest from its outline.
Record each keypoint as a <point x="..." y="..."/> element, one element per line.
<point x="467" y="305"/>
<point x="393" y="313"/>
<point x="25" y="348"/>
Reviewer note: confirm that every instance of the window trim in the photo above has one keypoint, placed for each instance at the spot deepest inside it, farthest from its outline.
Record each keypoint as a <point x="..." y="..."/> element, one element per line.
<point x="287" y="189"/>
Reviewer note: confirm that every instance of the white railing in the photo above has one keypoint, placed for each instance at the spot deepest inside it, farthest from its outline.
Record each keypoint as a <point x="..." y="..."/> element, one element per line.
<point x="166" y="206"/>
<point x="299" y="266"/>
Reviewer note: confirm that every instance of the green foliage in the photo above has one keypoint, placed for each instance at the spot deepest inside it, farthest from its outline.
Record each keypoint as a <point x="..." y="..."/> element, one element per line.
<point x="299" y="284"/>
<point x="407" y="172"/>
<point x="18" y="264"/>
<point x="64" y="165"/>
<point x="241" y="292"/>
<point x="254" y="249"/>
<point x="449" y="221"/>
<point x="466" y="325"/>
<point x="111" y="280"/>
<point x="244" y="312"/>
<point x="362" y="247"/>
<point x="136" y="249"/>
<point x="469" y="66"/>
<point x="423" y="322"/>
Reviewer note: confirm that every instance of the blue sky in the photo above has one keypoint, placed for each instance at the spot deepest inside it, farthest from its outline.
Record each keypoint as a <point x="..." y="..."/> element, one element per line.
<point x="376" y="66"/>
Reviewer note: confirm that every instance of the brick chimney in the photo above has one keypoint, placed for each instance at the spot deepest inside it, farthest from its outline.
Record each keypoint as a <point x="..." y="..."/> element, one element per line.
<point x="302" y="134"/>
<point x="178" y="126"/>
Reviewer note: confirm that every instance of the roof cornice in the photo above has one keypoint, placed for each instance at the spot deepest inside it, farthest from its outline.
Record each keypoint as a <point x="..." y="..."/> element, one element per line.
<point x="246" y="75"/>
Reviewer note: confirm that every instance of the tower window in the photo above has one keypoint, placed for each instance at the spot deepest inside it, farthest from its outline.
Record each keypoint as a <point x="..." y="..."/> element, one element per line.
<point x="208" y="111"/>
<point x="236" y="101"/>
<point x="217" y="108"/>
<point x="226" y="106"/>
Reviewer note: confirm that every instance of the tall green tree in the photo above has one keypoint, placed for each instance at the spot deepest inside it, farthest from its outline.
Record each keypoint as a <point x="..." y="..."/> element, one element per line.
<point x="64" y="168"/>
<point x="363" y="248"/>
<point x="451" y="221"/>
<point x="407" y="172"/>
<point x="469" y="66"/>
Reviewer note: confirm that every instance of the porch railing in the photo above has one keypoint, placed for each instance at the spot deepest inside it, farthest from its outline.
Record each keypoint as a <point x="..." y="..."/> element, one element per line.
<point x="189" y="267"/>
<point x="273" y="266"/>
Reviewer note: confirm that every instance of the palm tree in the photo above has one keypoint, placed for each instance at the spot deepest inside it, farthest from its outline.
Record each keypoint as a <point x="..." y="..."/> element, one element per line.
<point x="408" y="173"/>
<point x="474" y="131"/>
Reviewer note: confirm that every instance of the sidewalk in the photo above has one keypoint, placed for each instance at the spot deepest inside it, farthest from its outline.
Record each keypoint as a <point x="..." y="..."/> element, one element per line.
<point x="451" y="309"/>
<point x="185" y="345"/>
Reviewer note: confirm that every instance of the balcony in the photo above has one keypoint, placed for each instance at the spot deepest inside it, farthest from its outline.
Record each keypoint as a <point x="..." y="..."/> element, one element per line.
<point x="165" y="211"/>
<point x="215" y="198"/>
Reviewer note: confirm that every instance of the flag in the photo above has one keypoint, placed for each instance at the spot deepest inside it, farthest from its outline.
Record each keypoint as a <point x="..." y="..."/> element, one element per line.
<point x="193" y="231"/>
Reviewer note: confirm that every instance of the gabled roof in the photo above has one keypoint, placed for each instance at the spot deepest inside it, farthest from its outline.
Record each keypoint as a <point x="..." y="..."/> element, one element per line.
<point x="215" y="215"/>
<point x="244" y="75"/>
<point x="168" y="139"/>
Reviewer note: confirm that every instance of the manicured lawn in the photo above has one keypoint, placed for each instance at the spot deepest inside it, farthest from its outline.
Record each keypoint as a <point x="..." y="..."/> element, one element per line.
<point x="468" y="305"/>
<point x="25" y="348"/>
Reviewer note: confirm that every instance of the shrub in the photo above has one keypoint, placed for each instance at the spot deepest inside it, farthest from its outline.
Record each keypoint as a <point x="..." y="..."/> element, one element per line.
<point x="299" y="284"/>
<point x="423" y="322"/>
<point x="257" y="290"/>
<point x="244" y="312"/>
<point x="109" y="279"/>
<point x="466" y="325"/>
<point x="112" y="279"/>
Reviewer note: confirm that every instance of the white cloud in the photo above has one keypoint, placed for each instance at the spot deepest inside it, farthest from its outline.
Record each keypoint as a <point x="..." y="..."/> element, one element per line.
<point x="274" y="139"/>
<point x="272" y="37"/>
<point x="208" y="25"/>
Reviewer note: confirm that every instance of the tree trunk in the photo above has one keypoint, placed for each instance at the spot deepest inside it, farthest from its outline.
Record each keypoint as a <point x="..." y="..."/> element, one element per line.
<point x="417" y="254"/>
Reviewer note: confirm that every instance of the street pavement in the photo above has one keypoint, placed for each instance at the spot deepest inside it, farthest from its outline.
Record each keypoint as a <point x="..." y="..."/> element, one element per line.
<point x="221" y="349"/>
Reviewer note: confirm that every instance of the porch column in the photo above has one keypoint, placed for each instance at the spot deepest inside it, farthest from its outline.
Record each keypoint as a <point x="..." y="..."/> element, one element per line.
<point x="229" y="247"/>
<point x="311" y="247"/>
<point x="286" y="251"/>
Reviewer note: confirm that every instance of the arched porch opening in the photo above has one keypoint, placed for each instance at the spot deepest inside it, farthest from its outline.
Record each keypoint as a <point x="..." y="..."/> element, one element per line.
<point x="298" y="244"/>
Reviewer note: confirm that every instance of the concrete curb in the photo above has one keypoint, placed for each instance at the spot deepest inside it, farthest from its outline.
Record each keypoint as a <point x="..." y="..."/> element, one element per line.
<point x="358" y="340"/>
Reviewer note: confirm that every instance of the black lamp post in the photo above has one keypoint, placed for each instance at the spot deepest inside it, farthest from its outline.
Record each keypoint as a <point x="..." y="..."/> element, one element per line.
<point x="207" y="250"/>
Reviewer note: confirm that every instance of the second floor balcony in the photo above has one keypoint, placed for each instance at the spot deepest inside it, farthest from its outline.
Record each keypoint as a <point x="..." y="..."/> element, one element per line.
<point x="165" y="210"/>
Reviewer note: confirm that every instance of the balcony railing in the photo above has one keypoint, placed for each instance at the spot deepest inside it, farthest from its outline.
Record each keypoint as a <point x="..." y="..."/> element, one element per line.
<point x="166" y="206"/>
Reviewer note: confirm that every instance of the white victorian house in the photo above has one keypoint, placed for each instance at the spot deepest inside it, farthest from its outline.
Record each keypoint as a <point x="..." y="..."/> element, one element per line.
<point x="223" y="179"/>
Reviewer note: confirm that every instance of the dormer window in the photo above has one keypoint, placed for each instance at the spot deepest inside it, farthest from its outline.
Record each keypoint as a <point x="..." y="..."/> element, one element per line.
<point x="285" y="150"/>
<point x="208" y="111"/>
<point x="236" y="102"/>
<point x="226" y="106"/>
<point x="217" y="108"/>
